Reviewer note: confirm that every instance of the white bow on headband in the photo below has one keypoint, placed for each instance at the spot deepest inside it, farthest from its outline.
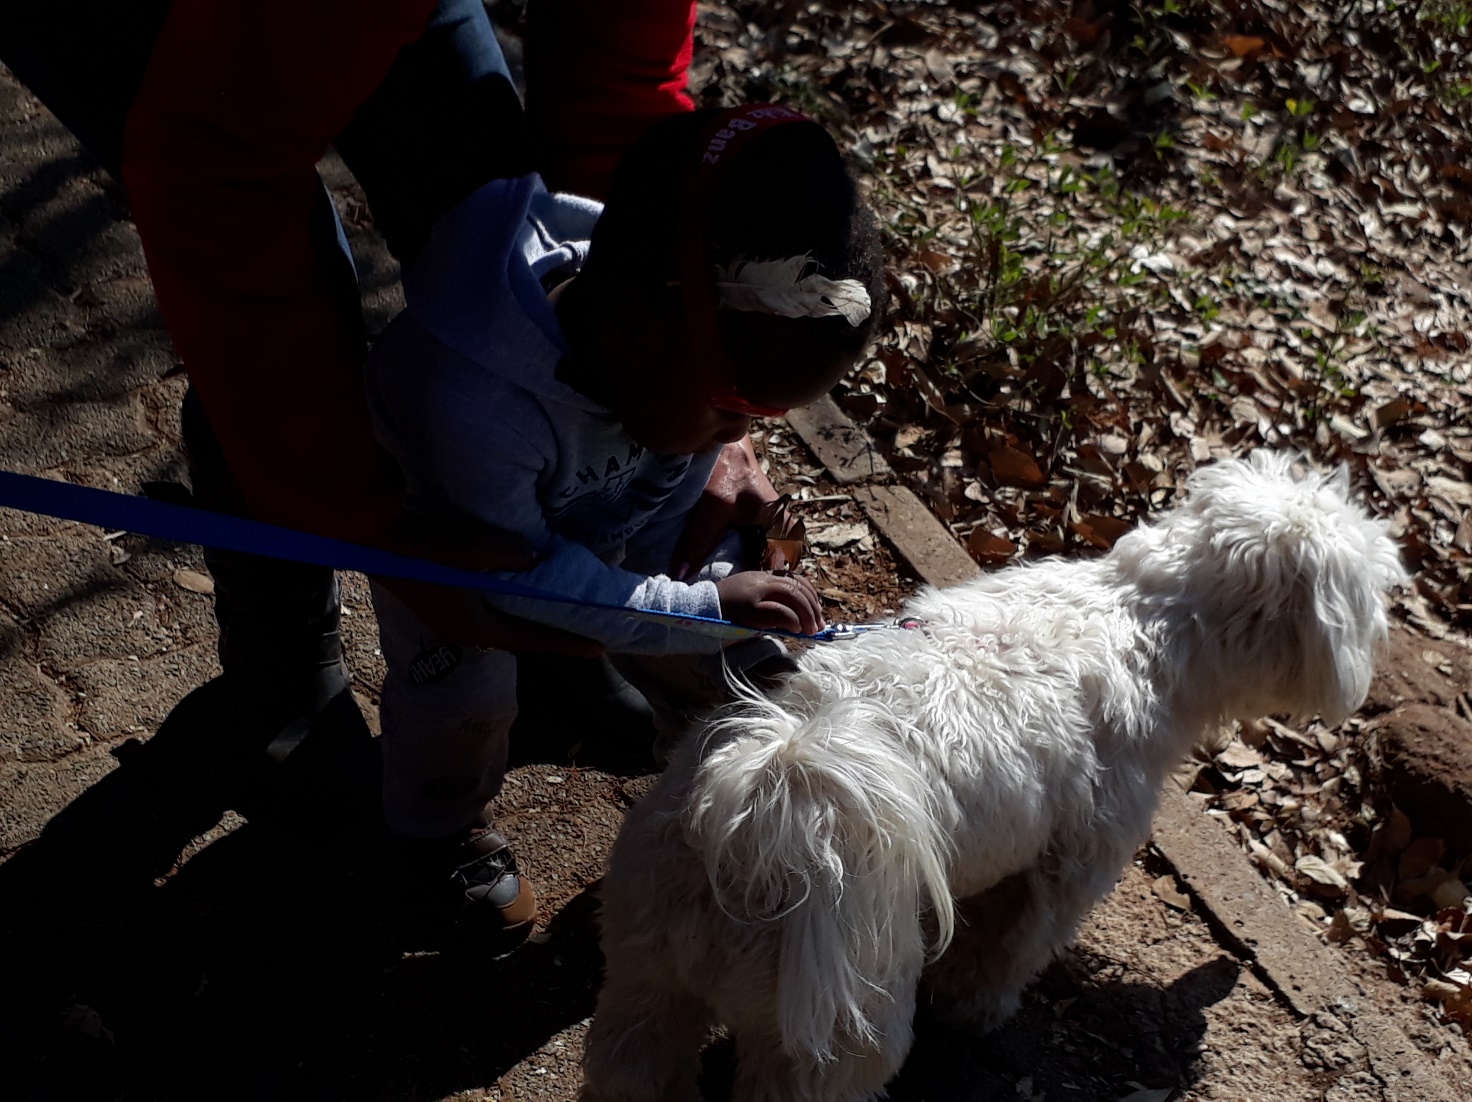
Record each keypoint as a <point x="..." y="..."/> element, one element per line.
<point x="780" y="287"/>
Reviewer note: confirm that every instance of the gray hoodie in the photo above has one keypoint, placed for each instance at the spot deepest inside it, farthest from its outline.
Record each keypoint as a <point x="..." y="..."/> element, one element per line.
<point x="463" y="390"/>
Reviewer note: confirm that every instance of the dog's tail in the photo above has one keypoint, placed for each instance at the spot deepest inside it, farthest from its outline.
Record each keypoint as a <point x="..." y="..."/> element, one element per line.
<point x="823" y="825"/>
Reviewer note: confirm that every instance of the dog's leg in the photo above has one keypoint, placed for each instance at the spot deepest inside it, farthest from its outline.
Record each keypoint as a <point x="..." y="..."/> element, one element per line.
<point x="775" y="1076"/>
<point x="1004" y="938"/>
<point x="767" y="1072"/>
<point x="644" y="1044"/>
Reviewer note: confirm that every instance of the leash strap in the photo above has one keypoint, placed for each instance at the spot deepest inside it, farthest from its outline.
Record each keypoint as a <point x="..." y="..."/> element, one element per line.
<point x="188" y="524"/>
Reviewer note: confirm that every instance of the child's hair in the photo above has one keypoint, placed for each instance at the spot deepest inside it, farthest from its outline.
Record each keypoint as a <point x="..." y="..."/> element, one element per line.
<point x="788" y="194"/>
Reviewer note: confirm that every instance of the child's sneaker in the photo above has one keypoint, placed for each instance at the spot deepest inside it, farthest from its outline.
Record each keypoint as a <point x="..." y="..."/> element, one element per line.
<point x="487" y="880"/>
<point x="471" y="888"/>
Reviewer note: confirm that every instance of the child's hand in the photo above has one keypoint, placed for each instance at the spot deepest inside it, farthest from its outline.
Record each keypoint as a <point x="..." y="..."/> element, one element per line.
<point x="756" y="599"/>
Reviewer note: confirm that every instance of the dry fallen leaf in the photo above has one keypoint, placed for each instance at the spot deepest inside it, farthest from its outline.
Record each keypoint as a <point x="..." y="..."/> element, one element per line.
<point x="1394" y="922"/>
<point x="1253" y="732"/>
<point x="1101" y="530"/>
<point x="1166" y="891"/>
<point x="1242" y="44"/>
<point x="1238" y="756"/>
<point x="1391" y="412"/>
<point x="1014" y="467"/>
<point x="1455" y="999"/>
<point x="1341" y="929"/>
<point x="1462" y="541"/>
<point x="837" y="535"/>
<point x="1321" y="872"/>
<point x="1267" y="858"/>
<point x="785" y="535"/>
<point x="1214" y="740"/>
<point x="988" y="548"/>
<point x="1453" y="489"/>
<point x="195" y="582"/>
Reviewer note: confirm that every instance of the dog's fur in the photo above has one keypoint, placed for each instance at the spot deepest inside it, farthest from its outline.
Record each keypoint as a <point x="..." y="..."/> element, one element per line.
<point x="960" y="794"/>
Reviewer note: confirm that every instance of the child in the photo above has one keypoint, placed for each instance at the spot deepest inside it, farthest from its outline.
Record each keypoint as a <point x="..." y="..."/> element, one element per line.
<point x="577" y="392"/>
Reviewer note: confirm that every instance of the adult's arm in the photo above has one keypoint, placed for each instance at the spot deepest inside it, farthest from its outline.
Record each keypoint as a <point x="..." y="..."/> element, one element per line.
<point x="239" y="103"/>
<point x="598" y="73"/>
<point x="734" y="495"/>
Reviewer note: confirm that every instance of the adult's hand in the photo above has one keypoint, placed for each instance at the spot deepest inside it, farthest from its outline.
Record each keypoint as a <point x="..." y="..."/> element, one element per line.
<point x="737" y="490"/>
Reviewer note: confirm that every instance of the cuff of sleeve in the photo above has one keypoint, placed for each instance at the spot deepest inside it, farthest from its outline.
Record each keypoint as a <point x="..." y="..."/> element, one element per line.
<point x="698" y="599"/>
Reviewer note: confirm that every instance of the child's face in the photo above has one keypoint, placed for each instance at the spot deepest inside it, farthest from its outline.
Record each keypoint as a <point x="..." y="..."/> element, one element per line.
<point x="673" y="401"/>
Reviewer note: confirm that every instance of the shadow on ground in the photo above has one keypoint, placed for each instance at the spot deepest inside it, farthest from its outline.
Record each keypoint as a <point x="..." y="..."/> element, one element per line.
<point x="274" y="963"/>
<point x="1073" y="1039"/>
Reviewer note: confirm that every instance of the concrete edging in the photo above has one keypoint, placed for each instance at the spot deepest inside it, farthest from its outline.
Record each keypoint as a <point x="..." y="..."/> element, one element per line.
<point x="1300" y="969"/>
<point x="897" y="511"/>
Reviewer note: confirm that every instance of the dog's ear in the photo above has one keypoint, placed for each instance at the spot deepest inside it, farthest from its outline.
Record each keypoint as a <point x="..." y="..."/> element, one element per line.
<point x="1321" y="568"/>
<point x="1347" y="570"/>
<point x="1287" y="577"/>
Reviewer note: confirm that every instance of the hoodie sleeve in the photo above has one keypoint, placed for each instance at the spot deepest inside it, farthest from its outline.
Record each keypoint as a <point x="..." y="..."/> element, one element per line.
<point x="653" y="547"/>
<point x="469" y="442"/>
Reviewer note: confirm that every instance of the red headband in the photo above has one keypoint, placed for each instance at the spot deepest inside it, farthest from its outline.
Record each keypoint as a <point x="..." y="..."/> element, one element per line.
<point x="721" y="145"/>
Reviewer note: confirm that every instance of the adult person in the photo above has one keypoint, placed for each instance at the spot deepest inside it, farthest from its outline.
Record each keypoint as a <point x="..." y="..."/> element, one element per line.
<point x="214" y="114"/>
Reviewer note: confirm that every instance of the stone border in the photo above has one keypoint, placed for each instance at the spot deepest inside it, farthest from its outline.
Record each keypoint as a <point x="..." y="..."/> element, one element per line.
<point x="1308" y="976"/>
<point x="897" y="511"/>
<point x="1246" y="914"/>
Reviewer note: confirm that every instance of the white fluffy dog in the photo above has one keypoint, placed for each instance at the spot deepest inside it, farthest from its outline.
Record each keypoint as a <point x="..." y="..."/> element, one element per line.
<point x="958" y="795"/>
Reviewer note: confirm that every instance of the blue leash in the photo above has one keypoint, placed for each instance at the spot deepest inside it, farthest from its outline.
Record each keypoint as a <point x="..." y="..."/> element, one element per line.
<point x="187" y="524"/>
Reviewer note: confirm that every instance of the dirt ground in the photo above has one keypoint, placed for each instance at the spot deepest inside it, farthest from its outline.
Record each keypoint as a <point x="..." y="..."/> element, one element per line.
<point x="175" y="930"/>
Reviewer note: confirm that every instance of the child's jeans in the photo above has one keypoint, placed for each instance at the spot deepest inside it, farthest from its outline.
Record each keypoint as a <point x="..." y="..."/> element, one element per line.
<point x="447" y="713"/>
